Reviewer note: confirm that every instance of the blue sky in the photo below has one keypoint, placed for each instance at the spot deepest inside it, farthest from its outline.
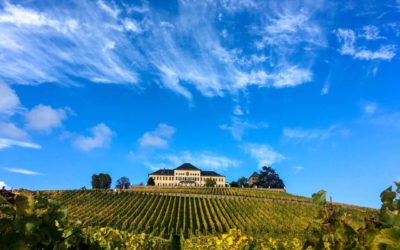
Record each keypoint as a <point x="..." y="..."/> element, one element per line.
<point x="310" y="88"/>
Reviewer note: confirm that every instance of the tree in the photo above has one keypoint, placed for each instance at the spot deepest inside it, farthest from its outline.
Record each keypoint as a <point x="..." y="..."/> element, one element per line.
<point x="269" y="178"/>
<point x="105" y="180"/>
<point x="234" y="184"/>
<point x="95" y="181"/>
<point x="151" y="182"/>
<point x="123" y="183"/>
<point x="210" y="182"/>
<point x="101" y="180"/>
<point x="243" y="182"/>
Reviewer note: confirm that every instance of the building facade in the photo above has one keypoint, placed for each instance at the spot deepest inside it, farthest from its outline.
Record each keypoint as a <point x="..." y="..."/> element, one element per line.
<point x="186" y="175"/>
<point x="253" y="179"/>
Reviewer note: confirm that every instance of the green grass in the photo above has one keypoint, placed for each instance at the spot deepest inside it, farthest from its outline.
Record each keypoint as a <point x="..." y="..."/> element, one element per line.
<point x="167" y="212"/>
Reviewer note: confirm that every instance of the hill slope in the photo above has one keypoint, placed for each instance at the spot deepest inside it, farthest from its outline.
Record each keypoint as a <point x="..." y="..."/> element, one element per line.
<point x="167" y="212"/>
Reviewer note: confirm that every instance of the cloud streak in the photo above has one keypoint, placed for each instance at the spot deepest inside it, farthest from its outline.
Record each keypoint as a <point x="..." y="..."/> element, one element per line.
<point x="22" y="171"/>
<point x="311" y="134"/>
<point x="7" y="143"/>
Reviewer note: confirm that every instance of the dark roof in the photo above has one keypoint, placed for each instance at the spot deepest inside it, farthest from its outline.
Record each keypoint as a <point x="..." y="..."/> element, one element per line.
<point x="209" y="173"/>
<point x="255" y="174"/>
<point x="186" y="166"/>
<point x="164" y="172"/>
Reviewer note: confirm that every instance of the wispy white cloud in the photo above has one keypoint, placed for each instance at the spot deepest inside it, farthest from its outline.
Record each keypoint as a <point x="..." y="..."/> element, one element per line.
<point x="297" y="169"/>
<point x="290" y="25"/>
<point x="370" y="107"/>
<point x="291" y="76"/>
<point x="348" y="39"/>
<point x="132" y="26"/>
<point x="6" y="143"/>
<point x="237" y="110"/>
<point x="288" y="76"/>
<point x="166" y="24"/>
<point x="325" y="89"/>
<point x="22" y="171"/>
<point x="371" y="32"/>
<point x="233" y="6"/>
<point x="238" y="127"/>
<point x="9" y="100"/>
<point x="204" y="160"/>
<point x="45" y="118"/>
<point x="100" y="41"/>
<point x="111" y="10"/>
<point x="9" y="130"/>
<point x="50" y="45"/>
<point x="158" y="138"/>
<point x="20" y="16"/>
<point x="263" y="154"/>
<point x="313" y="134"/>
<point x="100" y="137"/>
<point x="374" y="114"/>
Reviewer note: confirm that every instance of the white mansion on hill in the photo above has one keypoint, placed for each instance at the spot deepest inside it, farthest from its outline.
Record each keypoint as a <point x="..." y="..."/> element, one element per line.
<point x="186" y="175"/>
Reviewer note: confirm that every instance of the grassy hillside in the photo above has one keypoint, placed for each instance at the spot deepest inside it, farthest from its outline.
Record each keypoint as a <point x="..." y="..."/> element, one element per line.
<point x="167" y="212"/>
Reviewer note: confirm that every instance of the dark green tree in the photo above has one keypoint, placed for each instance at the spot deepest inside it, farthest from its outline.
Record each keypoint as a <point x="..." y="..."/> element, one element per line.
<point x="243" y="182"/>
<point x="105" y="180"/>
<point x="150" y="182"/>
<point x="269" y="178"/>
<point x="123" y="183"/>
<point x="101" y="180"/>
<point x="95" y="181"/>
<point x="234" y="184"/>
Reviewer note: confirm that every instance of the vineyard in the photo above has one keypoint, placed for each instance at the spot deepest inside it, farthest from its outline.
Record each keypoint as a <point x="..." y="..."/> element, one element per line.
<point x="195" y="211"/>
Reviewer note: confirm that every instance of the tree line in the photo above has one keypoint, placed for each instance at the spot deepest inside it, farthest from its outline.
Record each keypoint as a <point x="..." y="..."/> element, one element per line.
<point x="103" y="181"/>
<point x="267" y="178"/>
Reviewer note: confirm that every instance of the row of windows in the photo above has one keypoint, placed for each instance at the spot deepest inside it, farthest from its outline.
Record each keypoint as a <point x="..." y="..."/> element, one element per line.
<point x="187" y="178"/>
<point x="171" y="178"/>
<point x="177" y="184"/>
<point x="164" y="178"/>
<point x="188" y="174"/>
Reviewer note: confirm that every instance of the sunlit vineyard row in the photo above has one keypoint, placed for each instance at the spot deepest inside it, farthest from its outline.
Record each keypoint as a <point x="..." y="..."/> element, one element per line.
<point x="264" y="193"/>
<point x="168" y="215"/>
<point x="254" y="192"/>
